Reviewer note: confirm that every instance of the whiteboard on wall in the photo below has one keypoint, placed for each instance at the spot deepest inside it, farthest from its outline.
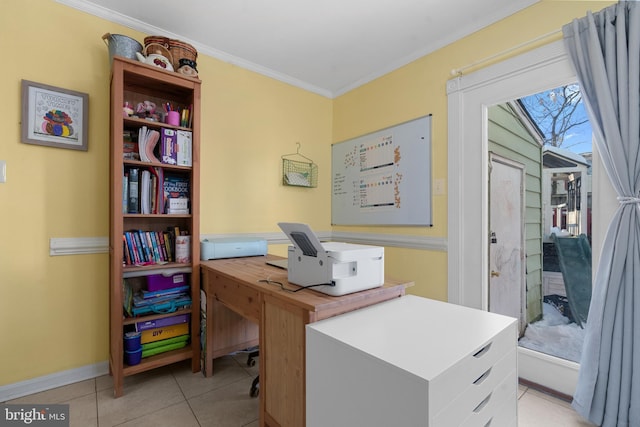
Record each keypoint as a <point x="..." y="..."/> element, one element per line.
<point x="384" y="177"/>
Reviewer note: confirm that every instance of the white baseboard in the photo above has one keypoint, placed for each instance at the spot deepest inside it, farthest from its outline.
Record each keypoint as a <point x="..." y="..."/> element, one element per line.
<point x="555" y="373"/>
<point x="47" y="382"/>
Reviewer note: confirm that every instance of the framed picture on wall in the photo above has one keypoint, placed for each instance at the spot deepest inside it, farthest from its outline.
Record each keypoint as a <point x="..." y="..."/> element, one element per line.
<point x="54" y="116"/>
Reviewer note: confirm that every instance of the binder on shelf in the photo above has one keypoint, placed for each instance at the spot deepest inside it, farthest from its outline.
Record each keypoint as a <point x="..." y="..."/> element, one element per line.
<point x="178" y="290"/>
<point x="134" y="206"/>
<point x="165" y="347"/>
<point x="165" y="332"/>
<point x="125" y="192"/>
<point x="163" y="307"/>
<point x="165" y="321"/>
<point x="168" y="341"/>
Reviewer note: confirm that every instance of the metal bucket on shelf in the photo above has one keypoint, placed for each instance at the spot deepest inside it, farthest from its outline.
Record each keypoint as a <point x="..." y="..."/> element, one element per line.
<point x="122" y="46"/>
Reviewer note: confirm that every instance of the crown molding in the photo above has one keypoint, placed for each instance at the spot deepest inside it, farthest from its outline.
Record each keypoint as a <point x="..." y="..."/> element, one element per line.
<point x="137" y="25"/>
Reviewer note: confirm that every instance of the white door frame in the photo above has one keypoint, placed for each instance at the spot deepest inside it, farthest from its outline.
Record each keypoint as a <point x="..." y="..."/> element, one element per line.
<point x="469" y="97"/>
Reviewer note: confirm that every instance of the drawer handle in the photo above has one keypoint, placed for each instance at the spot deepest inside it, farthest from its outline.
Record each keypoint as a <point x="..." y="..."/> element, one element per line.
<point x="482" y="377"/>
<point x="482" y="404"/>
<point x="482" y="351"/>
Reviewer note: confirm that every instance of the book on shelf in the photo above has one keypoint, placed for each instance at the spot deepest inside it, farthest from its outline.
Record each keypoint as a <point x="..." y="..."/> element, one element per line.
<point x="126" y="255"/>
<point x="168" y="146"/>
<point x="184" y="148"/>
<point x="169" y="245"/>
<point x="183" y="249"/>
<point x="163" y="247"/>
<point x="151" y="197"/>
<point x="145" y="188"/>
<point x="134" y="257"/>
<point x="130" y="151"/>
<point x="147" y="141"/>
<point x="149" y="247"/>
<point x="177" y="205"/>
<point x="175" y="187"/>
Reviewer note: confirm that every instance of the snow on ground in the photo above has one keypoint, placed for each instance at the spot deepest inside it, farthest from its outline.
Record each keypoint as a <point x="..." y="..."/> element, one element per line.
<point x="554" y="335"/>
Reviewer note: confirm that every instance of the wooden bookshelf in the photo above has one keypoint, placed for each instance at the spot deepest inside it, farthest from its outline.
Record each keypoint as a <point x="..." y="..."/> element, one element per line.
<point x="135" y="82"/>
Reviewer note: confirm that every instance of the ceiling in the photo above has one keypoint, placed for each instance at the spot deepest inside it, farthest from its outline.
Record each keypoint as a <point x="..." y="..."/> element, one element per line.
<point x="328" y="47"/>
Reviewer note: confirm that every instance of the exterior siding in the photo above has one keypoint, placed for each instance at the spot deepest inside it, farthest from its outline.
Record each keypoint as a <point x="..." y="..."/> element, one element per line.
<point x="509" y="138"/>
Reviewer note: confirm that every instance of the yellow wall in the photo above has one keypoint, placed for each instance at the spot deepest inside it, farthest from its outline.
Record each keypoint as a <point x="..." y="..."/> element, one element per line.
<point x="54" y="310"/>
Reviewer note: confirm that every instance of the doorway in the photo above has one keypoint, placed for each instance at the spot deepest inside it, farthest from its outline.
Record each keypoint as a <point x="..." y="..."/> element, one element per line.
<point x="469" y="98"/>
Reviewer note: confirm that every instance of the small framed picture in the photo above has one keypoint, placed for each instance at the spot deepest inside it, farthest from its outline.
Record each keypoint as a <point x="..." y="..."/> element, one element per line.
<point x="53" y="116"/>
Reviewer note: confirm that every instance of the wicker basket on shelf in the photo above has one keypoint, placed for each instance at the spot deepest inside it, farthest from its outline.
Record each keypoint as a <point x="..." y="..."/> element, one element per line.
<point x="179" y="49"/>
<point x="164" y="41"/>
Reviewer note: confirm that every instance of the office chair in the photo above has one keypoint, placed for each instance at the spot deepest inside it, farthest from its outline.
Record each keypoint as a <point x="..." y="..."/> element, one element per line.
<point x="255" y="385"/>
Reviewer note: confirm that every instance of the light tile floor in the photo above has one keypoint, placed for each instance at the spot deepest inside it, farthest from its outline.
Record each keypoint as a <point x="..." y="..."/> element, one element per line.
<point x="173" y="396"/>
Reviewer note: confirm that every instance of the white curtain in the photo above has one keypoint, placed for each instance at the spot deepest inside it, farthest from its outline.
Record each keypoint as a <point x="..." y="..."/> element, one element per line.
<point x="605" y="50"/>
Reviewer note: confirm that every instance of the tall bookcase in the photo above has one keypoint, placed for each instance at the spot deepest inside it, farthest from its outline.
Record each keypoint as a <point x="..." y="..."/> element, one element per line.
<point x="135" y="82"/>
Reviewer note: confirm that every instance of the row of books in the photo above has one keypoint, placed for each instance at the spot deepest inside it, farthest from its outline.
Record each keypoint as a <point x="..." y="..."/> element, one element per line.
<point x="155" y="247"/>
<point x="150" y="191"/>
<point x="169" y="146"/>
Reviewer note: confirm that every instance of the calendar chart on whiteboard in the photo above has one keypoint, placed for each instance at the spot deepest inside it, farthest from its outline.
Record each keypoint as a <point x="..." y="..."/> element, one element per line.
<point x="383" y="178"/>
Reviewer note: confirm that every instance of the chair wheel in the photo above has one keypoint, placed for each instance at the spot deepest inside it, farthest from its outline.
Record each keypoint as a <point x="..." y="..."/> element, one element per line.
<point x="254" y="392"/>
<point x="251" y="362"/>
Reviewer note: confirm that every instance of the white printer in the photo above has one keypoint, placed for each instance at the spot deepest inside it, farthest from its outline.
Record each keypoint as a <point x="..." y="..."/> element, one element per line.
<point x="340" y="268"/>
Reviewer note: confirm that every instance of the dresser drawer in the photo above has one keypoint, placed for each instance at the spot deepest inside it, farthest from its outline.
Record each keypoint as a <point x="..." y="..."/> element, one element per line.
<point x="240" y="298"/>
<point x="479" y="394"/>
<point x="469" y="370"/>
<point x="499" y="409"/>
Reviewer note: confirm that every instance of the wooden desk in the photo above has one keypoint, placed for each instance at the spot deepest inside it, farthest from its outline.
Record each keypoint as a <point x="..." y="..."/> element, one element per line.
<point x="233" y="284"/>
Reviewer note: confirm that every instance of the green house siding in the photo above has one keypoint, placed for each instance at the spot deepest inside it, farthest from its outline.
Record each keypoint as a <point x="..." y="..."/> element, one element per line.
<point x="508" y="137"/>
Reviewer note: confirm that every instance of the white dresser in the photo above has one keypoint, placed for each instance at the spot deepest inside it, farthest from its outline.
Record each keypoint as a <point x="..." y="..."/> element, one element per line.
<point x="411" y="362"/>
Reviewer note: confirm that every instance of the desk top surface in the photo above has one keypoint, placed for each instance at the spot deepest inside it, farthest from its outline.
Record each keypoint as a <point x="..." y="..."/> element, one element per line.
<point x="250" y="270"/>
